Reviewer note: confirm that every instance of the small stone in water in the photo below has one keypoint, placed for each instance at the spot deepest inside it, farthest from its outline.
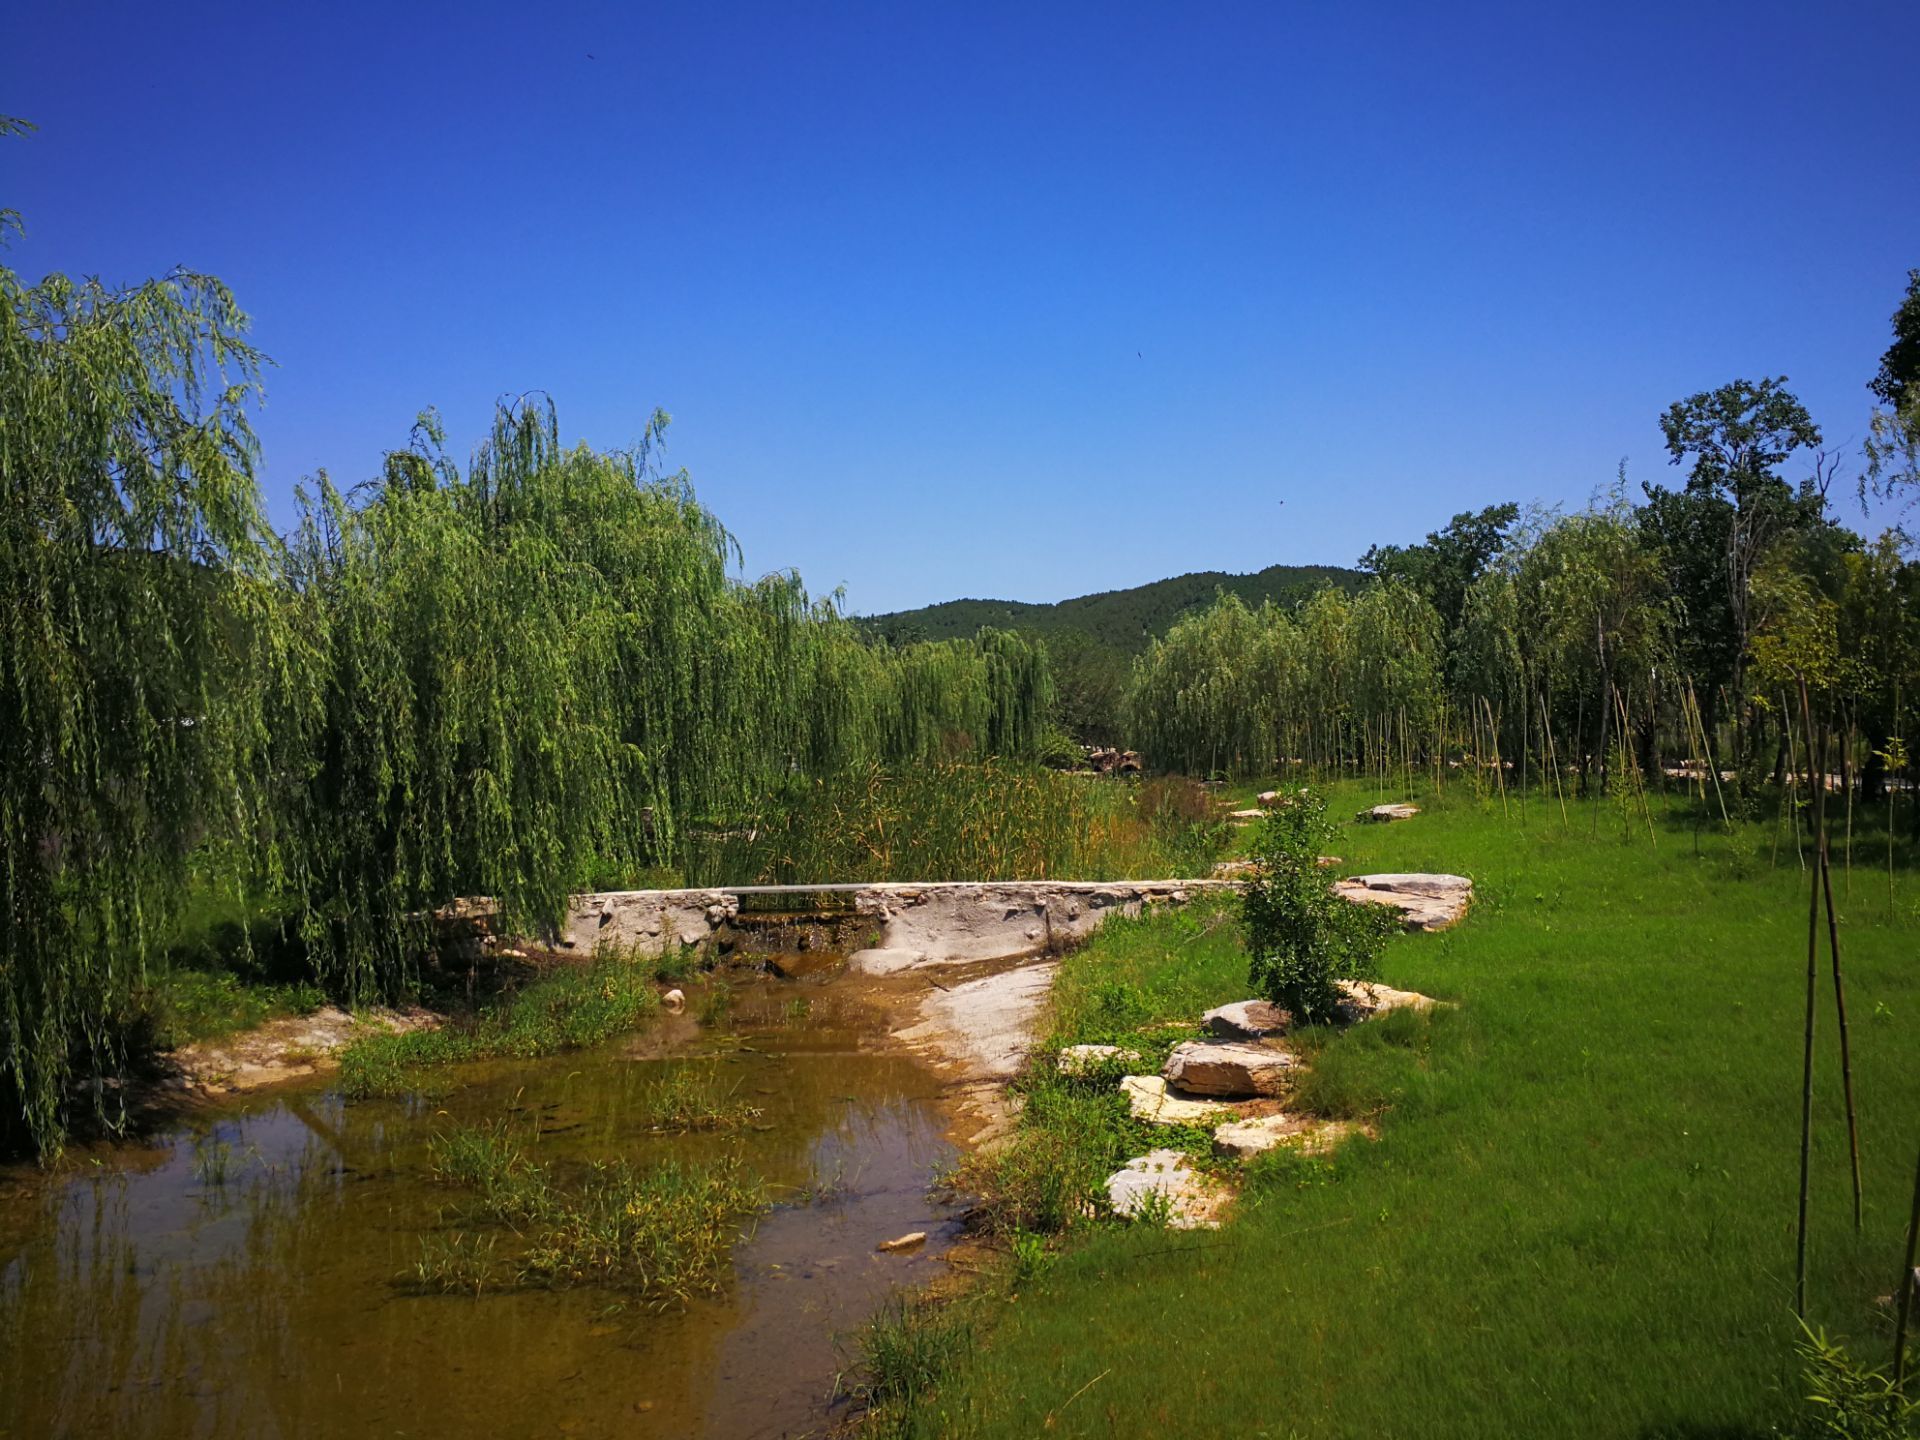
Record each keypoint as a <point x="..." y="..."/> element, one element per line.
<point x="904" y="1242"/>
<point x="675" y="999"/>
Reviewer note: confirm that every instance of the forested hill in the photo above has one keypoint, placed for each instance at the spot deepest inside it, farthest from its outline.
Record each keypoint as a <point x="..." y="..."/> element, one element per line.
<point x="1123" y="619"/>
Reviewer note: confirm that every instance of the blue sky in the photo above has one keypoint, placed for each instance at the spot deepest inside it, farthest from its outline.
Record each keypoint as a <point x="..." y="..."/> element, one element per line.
<point x="1020" y="301"/>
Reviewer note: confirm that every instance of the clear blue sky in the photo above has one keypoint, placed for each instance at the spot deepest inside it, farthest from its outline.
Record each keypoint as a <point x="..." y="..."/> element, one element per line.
<point x="1018" y="301"/>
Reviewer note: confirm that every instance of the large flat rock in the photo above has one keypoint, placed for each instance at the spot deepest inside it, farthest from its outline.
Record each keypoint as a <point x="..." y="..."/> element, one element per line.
<point x="1383" y="814"/>
<point x="1164" y="1181"/>
<point x="932" y="923"/>
<point x="1151" y="1099"/>
<point x="985" y="1026"/>
<point x="1425" y="902"/>
<point x="282" y="1050"/>
<point x="1246" y="1020"/>
<point x="1365" y="999"/>
<point x="1230" y="1069"/>
<point x="1307" y="1134"/>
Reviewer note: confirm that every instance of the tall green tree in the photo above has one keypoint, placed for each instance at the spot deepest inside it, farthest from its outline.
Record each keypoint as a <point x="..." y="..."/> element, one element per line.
<point x="1898" y="377"/>
<point x="141" y="645"/>
<point x="1451" y="559"/>
<point x="1737" y="437"/>
<point x="1893" y="439"/>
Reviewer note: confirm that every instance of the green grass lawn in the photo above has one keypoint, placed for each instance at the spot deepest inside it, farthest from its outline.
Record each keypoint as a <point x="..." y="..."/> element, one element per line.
<point x="1579" y="1216"/>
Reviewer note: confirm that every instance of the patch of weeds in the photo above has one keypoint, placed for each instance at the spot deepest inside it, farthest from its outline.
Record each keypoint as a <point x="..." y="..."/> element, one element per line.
<point x="717" y="1005"/>
<point x="1050" y="1175"/>
<point x="1848" y="1399"/>
<point x="665" y="1233"/>
<point x="566" y="1009"/>
<point x="824" y="1189"/>
<point x="486" y="1159"/>
<point x="689" y="1100"/>
<point x="677" y="964"/>
<point x="212" y="1160"/>
<point x="1028" y="1257"/>
<point x="184" y="1004"/>
<point x="905" y="1351"/>
<point x="1154" y="1209"/>
<point x="455" y="1264"/>
<point x="1114" y="1008"/>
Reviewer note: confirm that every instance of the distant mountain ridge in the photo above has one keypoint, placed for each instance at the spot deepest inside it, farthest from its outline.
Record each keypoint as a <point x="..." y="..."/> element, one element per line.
<point x="1123" y="619"/>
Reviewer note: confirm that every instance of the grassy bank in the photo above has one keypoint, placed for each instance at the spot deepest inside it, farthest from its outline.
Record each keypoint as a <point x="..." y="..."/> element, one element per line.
<point x="1578" y="1218"/>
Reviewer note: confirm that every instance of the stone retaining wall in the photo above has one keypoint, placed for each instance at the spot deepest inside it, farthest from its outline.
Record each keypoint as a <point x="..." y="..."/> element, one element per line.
<point x="941" y="922"/>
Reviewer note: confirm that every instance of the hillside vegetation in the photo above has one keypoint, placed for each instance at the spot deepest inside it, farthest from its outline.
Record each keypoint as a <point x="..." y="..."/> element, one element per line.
<point x="1092" y="639"/>
<point x="1125" y="619"/>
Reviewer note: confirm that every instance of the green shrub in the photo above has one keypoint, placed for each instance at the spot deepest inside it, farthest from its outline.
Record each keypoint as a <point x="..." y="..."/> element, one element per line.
<point x="1303" y="937"/>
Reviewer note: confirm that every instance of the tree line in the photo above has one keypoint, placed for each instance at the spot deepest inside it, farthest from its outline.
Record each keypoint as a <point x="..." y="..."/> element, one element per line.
<point x="1639" y="632"/>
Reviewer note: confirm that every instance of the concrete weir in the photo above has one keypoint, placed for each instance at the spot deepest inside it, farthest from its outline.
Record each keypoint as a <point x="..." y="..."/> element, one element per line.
<point x="912" y="924"/>
<point x="990" y="943"/>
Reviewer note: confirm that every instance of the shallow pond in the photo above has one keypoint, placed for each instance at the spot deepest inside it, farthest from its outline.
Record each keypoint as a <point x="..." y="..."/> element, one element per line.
<point x="246" y="1273"/>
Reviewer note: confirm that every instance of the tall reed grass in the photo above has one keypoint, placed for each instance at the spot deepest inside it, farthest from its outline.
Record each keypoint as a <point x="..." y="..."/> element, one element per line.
<point x="991" y="820"/>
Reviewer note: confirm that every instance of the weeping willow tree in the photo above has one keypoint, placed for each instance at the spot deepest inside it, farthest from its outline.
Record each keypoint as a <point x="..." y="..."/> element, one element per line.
<point x="142" y="652"/>
<point x="539" y="676"/>
<point x="1240" y="691"/>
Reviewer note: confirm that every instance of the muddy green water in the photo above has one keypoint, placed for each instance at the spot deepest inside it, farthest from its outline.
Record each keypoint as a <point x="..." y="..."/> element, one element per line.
<point x="138" y="1297"/>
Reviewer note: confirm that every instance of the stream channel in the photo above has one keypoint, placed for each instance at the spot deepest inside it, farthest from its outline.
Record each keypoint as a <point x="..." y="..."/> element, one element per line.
<point x="246" y="1271"/>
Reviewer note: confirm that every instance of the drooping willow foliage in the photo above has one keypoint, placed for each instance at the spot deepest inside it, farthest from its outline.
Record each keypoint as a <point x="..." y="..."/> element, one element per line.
<point x="141" y="642"/>
<point x="539" y="675"/>
<point x="1572" y="655"/>
<point x="1243" y="691"/>
<point x="518" y="681"/>
<point x="1569" y="633"/>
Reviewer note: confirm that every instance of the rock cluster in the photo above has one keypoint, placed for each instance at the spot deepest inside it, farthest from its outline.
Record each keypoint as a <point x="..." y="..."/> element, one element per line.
<point x="1103" y="760"/>
<point x="1230" y="1084"/>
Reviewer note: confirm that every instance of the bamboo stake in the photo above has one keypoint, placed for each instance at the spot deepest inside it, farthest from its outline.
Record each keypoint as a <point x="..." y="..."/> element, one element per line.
<point x="1833" y="940"/>
<point x="1630" y="771"/>
<point x="1499" y="772"/>
<point x="1847" y="770"/>
<point x="1525" y="745"/>
<point x="1553" y="762"/>
<point x="1706" y="746"/>
<point x="1909" y="1282"/>
<point x="1806" y="1103"/>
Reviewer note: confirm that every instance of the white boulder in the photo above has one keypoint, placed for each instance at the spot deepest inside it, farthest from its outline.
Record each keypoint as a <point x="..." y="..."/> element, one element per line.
<point x="1164" y="1182"/>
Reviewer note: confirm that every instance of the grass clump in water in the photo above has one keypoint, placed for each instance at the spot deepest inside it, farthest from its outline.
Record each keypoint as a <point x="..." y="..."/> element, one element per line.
<point x="905" y="1351"/>
<point x="665" y="1232"/>
<point x="456" y="1264"/>
<point x="486" y="1159"/>
<point x="687" y="1100"/>
<point x="566" y="1009"/>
